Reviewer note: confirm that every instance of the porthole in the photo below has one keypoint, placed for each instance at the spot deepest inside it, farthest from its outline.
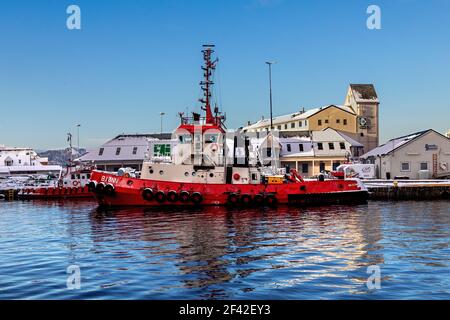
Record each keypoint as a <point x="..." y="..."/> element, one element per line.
<point x="151" y="171"/>
<point x="161" y="172"/>
<point x="186" y="174"/>
<point x="211" y="175"/>
<point x="193" y="173"/>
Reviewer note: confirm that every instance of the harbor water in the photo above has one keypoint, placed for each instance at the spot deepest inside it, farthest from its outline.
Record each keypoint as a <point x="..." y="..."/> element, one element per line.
<point x="220" y="253"/>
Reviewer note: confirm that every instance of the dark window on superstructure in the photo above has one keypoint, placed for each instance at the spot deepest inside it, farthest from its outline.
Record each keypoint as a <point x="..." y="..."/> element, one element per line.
<point x="293" y="125"/>
<point x="117" y="151"/>
<point x="288" y="147"/>
<point x="326" y="120"/>
<point x="345" y="122"/>
<point x="338" y="120"/>
<point x="319" y="122"/>
<point x="100" y="152"/>
<point x="279" y="127"/>
<point x="342" y="145"/>
<point x="331" y="145"/>
<point x="320" y="146"/>
<point x="300" y="147"/>
<point x="300" y="124"/>
<point x="285" y="126"/>
<point x="135" y="150"/>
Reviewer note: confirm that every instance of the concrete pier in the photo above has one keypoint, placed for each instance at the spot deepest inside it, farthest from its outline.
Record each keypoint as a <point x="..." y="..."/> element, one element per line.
<point x="408" y="190"/>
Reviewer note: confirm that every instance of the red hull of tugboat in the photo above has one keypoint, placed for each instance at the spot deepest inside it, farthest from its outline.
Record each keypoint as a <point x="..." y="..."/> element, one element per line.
<point x="124" y="191"/>
<point x="56" y="193"/>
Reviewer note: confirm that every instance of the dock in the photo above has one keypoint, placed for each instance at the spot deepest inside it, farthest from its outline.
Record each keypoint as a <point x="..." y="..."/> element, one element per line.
<point x="408" y="189"/>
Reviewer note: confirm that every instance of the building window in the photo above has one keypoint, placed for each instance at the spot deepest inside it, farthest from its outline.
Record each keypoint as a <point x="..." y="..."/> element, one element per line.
<point x="306" y="123"/>
<point x="405" y="167"/>
<point x="288" y="147"/>
<point x="100" y="152"/>
<point x="135" y="150"/>
<point x="319" y="122"/>
<point x="320" y="146"/>
<point x="322" y="167"/>
<point x="331" y="145"/>
<point x="279" y="127"/>
<point x="345" y="122"/>
<point x="300" y="124"/>
<point x="305" y="168"/>
<point x="342" y="145"/>
<point x="336" y="165"/>
<point x="326" y="120"/>
<point x="285" y="126"/>
<point x="338" y="120"/>
<point x="300" y="147"/>
<point x="117" y="151"/>
<point x="424" y="166"/>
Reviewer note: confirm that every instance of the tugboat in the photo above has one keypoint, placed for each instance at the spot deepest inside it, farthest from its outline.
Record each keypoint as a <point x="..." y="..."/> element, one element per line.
<point x="200" y="171"/>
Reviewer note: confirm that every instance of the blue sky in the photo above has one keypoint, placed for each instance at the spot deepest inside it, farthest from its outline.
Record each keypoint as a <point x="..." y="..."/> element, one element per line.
<point x="135" y="58"/>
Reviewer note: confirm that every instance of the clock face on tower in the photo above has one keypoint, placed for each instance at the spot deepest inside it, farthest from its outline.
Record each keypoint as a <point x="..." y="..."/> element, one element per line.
<point x="362" y="122"/>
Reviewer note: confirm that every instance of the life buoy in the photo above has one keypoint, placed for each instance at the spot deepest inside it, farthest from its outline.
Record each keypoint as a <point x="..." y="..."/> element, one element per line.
<point x="126" y="175"/>
<point x="246" y="199"/>
<point x="76" y="183"/>
<point x="147" y="194"/>
<point x="233" y="199"/>
<point x="184" y="196"/>
<point x="160" y="196"/>
<point x="172" y="196"/>
<point x="236" y="176"/>
<point x="196" y="197"/>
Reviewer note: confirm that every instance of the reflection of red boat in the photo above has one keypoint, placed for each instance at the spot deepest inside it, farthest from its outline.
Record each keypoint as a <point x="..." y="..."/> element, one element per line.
<point x="202" y="172"/>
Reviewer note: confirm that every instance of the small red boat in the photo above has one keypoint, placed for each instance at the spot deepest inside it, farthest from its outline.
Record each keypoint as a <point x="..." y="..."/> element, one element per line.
<point x="72" y="184"/>
<point x="201" y="170"/>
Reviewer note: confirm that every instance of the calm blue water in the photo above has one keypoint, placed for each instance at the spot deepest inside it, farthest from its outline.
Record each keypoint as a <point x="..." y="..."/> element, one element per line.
<point x="288" y="253"/>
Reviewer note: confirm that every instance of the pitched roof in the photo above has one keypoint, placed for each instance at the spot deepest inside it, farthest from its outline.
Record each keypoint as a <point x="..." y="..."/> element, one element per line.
<point x="394" y="144"/>
<point x="364" y="92"/>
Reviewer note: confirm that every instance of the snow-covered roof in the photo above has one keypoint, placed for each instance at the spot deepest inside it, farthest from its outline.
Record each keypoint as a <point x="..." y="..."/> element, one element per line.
<point x="393" y="144"/>
<point x="296" y="116"/>
<point x="364" y="92"/>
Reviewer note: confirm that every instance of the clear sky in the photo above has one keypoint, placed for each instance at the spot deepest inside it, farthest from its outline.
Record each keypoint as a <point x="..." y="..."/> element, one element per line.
<point x="135" y="58"/>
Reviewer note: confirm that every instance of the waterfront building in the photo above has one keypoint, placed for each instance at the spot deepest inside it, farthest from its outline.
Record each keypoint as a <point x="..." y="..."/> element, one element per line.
<point x="24" y="161"/>
<point x="128" y="150"/>
<point x="358" y="118"/>
<point x="420" y="155"/>
<point x="322" y="151"/>
<point x="448" y="134"/>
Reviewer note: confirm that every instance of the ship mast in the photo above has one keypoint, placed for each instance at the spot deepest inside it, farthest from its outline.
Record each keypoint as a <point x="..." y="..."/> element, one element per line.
<point x="207" y="83"/>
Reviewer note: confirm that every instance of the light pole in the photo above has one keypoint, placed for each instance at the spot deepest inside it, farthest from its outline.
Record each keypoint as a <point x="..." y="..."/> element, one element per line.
<point x="162" y="114"/>
<point x="269" y="63"/>
<point x="78" y="138"/>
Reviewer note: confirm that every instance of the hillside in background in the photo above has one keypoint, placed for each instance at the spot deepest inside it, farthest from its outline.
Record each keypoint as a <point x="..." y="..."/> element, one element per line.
<point x="60" y="157"/>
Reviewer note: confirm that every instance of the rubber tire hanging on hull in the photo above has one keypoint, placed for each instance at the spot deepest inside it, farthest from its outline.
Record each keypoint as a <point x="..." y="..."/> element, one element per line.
<point x="258" y="199"/>
<point x="147" y="194"/>
<point x="172" y="196"/>
<point x="197" y="198"/>
<point x="271" y="200"/>
<point x="160" y="196"/>
<point x="246" y="199"/>
<point x="109" y="190"/>
<point x="184" y="196"/>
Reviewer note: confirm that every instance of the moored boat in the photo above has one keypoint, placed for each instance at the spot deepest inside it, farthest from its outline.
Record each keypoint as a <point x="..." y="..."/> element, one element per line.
<point x="204" y="170"/>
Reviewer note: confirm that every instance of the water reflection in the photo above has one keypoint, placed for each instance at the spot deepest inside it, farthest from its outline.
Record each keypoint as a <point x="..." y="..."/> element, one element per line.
<point x="216" y="253"/>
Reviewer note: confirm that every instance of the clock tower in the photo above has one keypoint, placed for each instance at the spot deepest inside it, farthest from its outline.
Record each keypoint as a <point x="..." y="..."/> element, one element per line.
<point x="363" y="100"/>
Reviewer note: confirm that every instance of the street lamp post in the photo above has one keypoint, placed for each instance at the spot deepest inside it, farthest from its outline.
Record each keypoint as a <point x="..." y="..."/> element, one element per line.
<point x="162" y="114"/>
<point x="78" y="138"/>
<point x="269" y="63"/>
